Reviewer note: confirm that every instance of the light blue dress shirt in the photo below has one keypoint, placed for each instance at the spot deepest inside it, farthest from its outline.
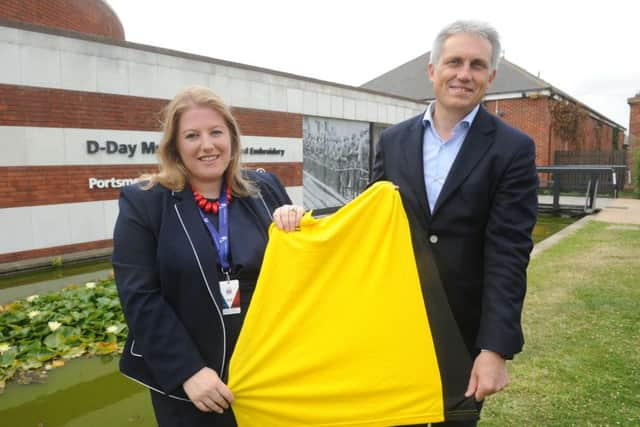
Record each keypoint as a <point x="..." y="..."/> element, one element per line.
<point x="438" y="155"/>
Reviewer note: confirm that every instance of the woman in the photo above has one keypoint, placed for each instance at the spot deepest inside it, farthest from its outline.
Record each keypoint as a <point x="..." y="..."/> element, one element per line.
<point x="188" y="245"/>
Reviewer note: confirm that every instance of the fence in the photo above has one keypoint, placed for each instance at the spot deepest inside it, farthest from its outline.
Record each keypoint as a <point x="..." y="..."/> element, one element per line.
<point x="577" y="182"/>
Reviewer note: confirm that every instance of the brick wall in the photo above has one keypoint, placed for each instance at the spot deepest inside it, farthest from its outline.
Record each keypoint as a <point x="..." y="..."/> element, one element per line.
<point x="634" y="116"/>
<point x="47" y="185"/>
<point x="634" y="138"/>
<point x="42" y="107"/>
<point x="84" y="16"/>
<point x="530" y="116"/>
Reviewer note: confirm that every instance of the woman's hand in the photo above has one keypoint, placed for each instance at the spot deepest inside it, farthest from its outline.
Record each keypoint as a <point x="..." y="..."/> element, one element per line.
<point x="287" y="217"/>
<point x="207" y="391"/>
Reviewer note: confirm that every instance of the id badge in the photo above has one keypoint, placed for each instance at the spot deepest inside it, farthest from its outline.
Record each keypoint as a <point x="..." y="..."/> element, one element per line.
<point x="230" y="290"/>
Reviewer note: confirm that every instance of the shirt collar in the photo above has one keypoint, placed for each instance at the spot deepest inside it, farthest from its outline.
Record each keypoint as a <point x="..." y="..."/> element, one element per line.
<point x="466" y="121"/>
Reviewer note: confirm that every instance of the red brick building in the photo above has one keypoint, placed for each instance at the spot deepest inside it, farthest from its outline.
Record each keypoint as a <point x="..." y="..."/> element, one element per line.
<point x="634" y="134"/>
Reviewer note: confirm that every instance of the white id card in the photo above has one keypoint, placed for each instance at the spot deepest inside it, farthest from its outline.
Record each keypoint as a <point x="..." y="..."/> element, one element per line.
<point x="230" y="290"/>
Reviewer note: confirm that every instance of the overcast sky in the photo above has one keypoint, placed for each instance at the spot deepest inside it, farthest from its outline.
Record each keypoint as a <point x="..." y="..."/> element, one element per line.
<point x="588" y="49"/>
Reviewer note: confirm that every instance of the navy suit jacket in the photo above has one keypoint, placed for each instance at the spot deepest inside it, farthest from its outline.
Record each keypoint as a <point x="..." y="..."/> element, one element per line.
<point x="167" y="274"/>
<point x="480" y="229"/>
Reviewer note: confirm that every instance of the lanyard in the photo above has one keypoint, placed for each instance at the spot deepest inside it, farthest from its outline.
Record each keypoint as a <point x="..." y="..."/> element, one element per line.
<point x="220" y="237"/>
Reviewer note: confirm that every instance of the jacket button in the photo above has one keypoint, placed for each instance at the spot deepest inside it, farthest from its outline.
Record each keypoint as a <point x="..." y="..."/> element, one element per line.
<point x="433" y="239"/>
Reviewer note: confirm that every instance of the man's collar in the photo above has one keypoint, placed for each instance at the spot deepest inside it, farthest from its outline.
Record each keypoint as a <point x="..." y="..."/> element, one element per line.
<point x="467" y="120"/>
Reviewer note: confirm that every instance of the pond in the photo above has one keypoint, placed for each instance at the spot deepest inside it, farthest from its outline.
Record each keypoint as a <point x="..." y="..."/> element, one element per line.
<point x="91" y="391"/>
<point x="85" y="392"/>
<point x="52" y="272"/>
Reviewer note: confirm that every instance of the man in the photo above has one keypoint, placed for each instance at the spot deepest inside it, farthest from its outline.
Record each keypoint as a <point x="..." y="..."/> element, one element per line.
<point x="469" y="182"/>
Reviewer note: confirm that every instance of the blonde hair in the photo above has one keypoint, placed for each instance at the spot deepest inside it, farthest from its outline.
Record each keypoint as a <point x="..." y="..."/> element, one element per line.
<point x="172" y="172"/>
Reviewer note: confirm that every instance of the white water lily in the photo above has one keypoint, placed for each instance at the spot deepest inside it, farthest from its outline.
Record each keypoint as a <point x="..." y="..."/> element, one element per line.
<point x="32" y="298"/>
<point x="4" y="347"/>
<point x="33" y="314"/>
<point x="90" y="285"/>
<point x="54" y="326"/>
<point x="112" y="329"/>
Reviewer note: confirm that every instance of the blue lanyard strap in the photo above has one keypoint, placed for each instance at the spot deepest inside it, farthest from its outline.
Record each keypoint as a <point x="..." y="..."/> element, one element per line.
<point x="220" y="237"/>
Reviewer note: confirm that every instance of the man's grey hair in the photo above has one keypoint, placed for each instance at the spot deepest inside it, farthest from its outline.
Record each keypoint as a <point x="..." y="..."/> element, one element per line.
<point x="474" y="28"/>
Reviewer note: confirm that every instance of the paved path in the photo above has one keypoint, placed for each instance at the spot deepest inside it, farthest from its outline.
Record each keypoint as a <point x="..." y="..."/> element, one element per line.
<point x="621" y="211"/>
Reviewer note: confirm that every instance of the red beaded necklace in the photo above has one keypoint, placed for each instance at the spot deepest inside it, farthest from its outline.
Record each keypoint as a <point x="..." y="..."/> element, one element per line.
<point x="208" y="206"/>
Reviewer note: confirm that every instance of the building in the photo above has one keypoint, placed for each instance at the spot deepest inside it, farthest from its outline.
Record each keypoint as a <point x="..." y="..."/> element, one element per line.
<point x="556" y="121"/>
<point x="634" y="115"/>
<point x="634" y="139"/>
<point x="79" y="118"/>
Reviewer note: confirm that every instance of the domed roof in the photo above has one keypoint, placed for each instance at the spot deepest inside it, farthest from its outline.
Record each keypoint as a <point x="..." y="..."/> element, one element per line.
<point x="94" y="17"/>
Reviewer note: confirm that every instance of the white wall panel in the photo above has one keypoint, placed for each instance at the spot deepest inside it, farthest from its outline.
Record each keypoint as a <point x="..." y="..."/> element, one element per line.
<point x="10" y="35"/>
<point x="361" y="110"/>
<point x="78" y="72"/>
<point x="372" y="112"/>
<point x="142" y="57"/>
<point x="86" y="222"/>
<point x="45" y="146"/>
<point x="259" y="95"/>
<point x="309" y="103"/>
<point x="324" y="105"/>
<point x="112" y="76"/>
<point x="382" y="113"/>
<point x="277" y="98"/>
<point x="295" y="194"/>
<point x="10" y="68"/>
<point x="38" y="227"/>
<point x="291" y="147"/>
<point x="294" y="100"/>
<point x="391" y="114"/>
<point x="51" y="225"/>
<point x="141" y="80"/>
<point x="185" y="64"/>
<point x="349" y="109"/>
<point x="36" y="146"/>
<point x="240" y="93"/>
<point x="337" y="109"/>
<point x="76" y="151"/>
<point x="110" y="209"/>
<point x="41" y="40"/>
<point x="40" y="67"/>
<point x="222" y="86"/>
<point x="15" y="229"/>
<point x="13" y="150"/>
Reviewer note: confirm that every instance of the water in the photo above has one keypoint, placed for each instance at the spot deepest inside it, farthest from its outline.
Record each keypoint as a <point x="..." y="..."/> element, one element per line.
<point x="548" y="225"/>
<point x="84" y="392"/>
<point x="52" y="273"/>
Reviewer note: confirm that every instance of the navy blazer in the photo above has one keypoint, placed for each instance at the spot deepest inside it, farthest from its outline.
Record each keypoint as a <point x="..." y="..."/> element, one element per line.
<point x="480" y="229"/>
<point x="167" y="272"/>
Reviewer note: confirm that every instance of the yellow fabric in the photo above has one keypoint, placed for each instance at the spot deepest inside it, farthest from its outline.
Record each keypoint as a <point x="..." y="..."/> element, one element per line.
<point x="337" y="333"/>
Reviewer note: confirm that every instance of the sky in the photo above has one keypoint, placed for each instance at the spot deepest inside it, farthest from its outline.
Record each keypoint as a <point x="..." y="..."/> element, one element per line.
<point x="587" y="49"/>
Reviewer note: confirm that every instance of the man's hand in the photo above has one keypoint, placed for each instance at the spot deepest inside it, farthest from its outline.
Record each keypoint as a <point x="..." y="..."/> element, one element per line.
<point x="488" y="375"/>
<point x="207" y="391"/>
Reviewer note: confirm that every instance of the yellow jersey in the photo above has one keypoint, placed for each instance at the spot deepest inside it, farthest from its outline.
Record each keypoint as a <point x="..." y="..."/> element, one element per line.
<point x="337" y="333"/>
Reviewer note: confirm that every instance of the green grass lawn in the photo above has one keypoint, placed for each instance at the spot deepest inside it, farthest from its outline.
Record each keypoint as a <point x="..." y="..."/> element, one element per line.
<point x="581" y="362"/>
